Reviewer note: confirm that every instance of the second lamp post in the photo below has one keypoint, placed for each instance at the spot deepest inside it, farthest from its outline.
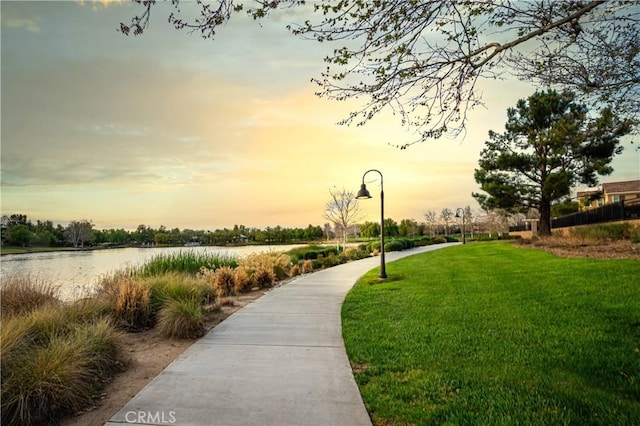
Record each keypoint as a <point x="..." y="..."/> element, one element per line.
<point x="458" y="214"/>
<point x="364" y="193"/>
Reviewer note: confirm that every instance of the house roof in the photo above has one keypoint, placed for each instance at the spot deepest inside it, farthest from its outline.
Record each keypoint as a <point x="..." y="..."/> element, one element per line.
<point x="587" y="192"/>
<point x="621" y="187"/>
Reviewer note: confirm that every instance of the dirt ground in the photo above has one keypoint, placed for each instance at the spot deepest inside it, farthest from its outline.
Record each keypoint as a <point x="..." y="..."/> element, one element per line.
<point x="149" y="353"/>
<point x="573" y="247"/>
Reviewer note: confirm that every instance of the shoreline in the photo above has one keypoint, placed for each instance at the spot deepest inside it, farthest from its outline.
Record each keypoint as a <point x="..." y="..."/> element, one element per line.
<point x="4" y="251"/>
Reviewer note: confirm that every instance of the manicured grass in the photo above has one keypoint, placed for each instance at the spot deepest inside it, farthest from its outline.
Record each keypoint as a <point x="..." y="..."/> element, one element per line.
<point x="491" y="333"/>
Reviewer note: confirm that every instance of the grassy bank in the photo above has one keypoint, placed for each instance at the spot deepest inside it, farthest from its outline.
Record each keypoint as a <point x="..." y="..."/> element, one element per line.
<point x="496" y="334"/>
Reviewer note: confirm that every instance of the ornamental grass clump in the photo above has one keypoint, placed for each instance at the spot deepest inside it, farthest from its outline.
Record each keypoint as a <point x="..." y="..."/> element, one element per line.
<point x="178" y="286"/>
<point x="23" y="294"/>
<point x="295" y="270"/>
<point x="46" y="382"/>
<point x="132" y="305"/>
<point x="243" y="282"/>
<point x="54" y="361"/>
<point x="181" y="319"/>
<point x="224" y="282"/>
<point x="264" y="278"/>
<point x="307" y="266"/>
<point x="278" y="262"/>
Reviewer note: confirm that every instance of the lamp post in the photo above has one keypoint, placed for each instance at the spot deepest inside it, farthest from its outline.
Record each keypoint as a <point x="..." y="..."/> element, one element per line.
<point x="458" y="214"/>
<point x="364" y="193"/>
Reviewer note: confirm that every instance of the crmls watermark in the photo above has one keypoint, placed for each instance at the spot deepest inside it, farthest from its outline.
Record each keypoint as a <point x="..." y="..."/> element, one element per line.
<point x="153" y="417"/>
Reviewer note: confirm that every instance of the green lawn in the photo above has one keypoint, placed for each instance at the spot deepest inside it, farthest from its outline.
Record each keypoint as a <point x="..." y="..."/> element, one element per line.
<point x="492" y="333"/>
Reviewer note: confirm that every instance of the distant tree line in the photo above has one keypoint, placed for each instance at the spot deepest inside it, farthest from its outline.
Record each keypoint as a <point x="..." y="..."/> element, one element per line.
<point x="18" y="230"/>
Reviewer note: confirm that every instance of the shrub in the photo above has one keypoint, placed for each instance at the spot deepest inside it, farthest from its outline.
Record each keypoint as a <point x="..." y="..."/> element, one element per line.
<point x="634" y="234"/>
<point x="423" y="241"/>
<point x="224" y="282"/>
<point x="310" y="255"/>
<point x="132" y="305"/>
<point x="605" y="231"/>
<point x="182" y="319"/>
<point x="329" y="261"/>
<point x="295" y="270"/>
<point x="243" y="282"/>
<point x="393" y="245"/>
<point x="373" y="246"/>
<point x="439" y="240"/>
<point x="307" y="266"/>
<point x="355" y="253"/>
<point x="23" y="294"/>
<point x="264" y="277"/>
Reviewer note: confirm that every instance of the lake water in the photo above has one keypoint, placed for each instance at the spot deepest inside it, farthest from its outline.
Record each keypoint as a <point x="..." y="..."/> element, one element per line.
<point x="77" y="272"/>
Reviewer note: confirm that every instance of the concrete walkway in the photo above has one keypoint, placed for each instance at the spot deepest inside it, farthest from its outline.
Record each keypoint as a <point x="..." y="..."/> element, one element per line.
<point x="278" y="361"/>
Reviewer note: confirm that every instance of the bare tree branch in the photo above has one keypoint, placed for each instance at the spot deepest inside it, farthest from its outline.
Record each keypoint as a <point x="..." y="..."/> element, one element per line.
<point x="423" y="59"/>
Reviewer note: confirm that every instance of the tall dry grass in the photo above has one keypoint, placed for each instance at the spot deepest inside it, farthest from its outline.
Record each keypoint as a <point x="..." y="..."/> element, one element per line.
<point x="21" y="294"/>
<point x="264" y="278"/>
<point x="131" y="305"/>
<point x="243" y="282"/>
<point x="224" y="282"/>
<point x="277" y="262"/>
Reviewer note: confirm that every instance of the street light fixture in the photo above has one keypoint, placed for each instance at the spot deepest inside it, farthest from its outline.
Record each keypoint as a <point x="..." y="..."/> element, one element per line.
<point x="364" y="193"/>
<point x="458" y="214"/>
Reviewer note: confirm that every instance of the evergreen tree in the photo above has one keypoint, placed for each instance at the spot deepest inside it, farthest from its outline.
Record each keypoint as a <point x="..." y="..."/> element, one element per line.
<point x="549" y="145"/>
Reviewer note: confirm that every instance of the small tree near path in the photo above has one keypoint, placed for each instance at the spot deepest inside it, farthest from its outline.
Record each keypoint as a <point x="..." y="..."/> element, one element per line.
<point x="549" y="145"/>
<point x="342" y="210"/>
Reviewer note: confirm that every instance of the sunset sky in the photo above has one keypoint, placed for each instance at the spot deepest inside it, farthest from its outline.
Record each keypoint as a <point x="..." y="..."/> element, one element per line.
<point x="170" y="129"/>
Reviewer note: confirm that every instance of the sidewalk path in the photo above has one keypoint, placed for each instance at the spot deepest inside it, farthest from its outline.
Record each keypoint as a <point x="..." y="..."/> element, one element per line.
<point x="278" y="361"/>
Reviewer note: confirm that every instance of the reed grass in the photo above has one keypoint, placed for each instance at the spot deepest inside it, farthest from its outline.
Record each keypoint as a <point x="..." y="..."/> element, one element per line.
<point x="20" y="294"/>
<point x="187" y="262"/>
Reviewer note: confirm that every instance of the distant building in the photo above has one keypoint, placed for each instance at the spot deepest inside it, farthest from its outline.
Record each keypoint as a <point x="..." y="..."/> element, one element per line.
<point x="608" y="193"/>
